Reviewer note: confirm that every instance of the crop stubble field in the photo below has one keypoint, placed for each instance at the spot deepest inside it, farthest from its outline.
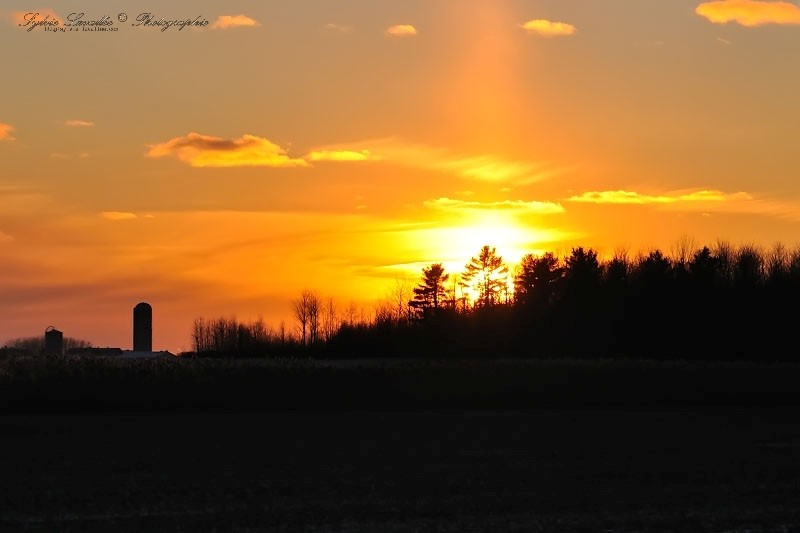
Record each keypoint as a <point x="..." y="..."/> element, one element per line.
<point x="449" y="461"/>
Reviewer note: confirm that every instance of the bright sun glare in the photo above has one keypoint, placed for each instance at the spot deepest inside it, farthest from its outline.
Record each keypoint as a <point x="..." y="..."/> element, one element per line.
<point x="454" y="245"/>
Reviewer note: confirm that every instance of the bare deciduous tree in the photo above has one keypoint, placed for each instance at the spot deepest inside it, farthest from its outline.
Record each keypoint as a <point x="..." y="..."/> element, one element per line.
<point x="682" y="251"/>
<point x="307" y="312"/>
<point x="399" y="298"/>
<point x="300" y="307"/>
<point x="330" y="319"/>
<point x="352" y="314"/>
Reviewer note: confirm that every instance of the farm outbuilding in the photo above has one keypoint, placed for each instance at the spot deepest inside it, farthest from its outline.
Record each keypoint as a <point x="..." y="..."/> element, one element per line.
<point x="53" y="341"/>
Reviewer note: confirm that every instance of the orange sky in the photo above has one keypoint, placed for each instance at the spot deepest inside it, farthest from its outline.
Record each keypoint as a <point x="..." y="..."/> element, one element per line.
<point x="221" y="169"/>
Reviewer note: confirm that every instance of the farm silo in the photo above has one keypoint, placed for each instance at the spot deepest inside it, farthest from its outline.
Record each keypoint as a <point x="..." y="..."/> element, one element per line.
<point x="53" y="341"/>
<point x="143" y="328"/>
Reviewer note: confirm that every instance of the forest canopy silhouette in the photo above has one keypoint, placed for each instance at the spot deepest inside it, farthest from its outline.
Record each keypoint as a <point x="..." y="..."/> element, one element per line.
<point x="717" y="302"/>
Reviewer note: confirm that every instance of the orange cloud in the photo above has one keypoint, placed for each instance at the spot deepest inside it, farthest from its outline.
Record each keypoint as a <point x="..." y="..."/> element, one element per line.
<point x="401" y="30"/>
<point x="79" y="123"/>
<point x="5" y="132"/>
<point x="340" y="155"/>
<point x="749" y="13"/>
<point x="225" y="22"/>
<point x="5" y="237"/>
<point x="540" y="208"/>
<point x="23" y="18"/>
<point x="629" y="197"/>
<point x="118" y="215"/>
<point x="547" y="28"/>
<point x="339" y="27"/>
<point x="703" y="201"/>
<point x="475" y="167"/>
<point x="205" y="151"/>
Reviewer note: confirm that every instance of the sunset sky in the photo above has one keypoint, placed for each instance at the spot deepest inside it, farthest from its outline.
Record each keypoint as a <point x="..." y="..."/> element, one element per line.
<point x="219" y="170"/>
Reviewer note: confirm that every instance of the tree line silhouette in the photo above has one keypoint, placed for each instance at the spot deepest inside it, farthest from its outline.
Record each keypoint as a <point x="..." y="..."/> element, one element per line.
<point x="710" y="302"/>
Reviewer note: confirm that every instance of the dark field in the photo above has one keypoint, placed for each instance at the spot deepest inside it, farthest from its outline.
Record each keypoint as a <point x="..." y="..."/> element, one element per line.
<point x="400" y="446"/>
<point x="91" y="385"/>
<point x="541" y="470"/>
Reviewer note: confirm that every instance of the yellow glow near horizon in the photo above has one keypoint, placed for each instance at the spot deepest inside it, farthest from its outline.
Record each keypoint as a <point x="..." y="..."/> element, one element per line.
<point x="455" y="245"/>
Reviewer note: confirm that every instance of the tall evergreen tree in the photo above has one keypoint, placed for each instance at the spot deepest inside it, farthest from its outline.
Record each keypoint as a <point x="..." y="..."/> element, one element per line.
<point x="487" y="273"/>
<point x="536" y="279"/>
<point x="431" y="292"/>
<point x="582" y="272"/>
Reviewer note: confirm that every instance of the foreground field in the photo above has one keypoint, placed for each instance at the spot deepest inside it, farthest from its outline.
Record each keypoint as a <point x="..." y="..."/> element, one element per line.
<point x="730" y="469"/>
<point x="400" y="445"/>
<point x="50" y="385"/>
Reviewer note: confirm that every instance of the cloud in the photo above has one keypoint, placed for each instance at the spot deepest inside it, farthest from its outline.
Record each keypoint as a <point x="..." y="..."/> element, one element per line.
<point x="547" y="28"/>
<point x="401" y="30"/>
<point x="225" y="22"/>
<point x="61" y="155"/>
<point x="489" y="168"/>
<point x="22" y="201"/>
<point x="339" y="155"/>
<point x="5" y="237"/>
<point x="629" y="197"/>
<point x="5" y="132"/>
<point x="22" y="18"/>
<point x="118" y="215"/>
<point x="339" y="28"/>
<point x="78" y="123"/>
<point x="205" y="151"/>
<point x="749" y="13"/>
<point x="702" y="201"/>
<point x="724" y="41"/>
<point x="520" y="206"/>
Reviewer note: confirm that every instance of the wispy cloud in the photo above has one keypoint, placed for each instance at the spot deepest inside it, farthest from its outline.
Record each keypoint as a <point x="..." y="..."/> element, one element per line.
<point x="484" y="167"/>
<point x="5" y="132"/>
<point x="518" y="206"/>
<point x="630" y="197"/>
<point x="704" y="201"/>
<point x="724" y="41"/>
<point x="401" y="30"/>
<point x="226" y="22"/>
<point x="206" y="151"/>
<point x="16" y="200"/>
<point x="340" y="155"/>
<point x="5" y="237"/>
<point x="118" y="215"/>
<point x="749" y="13"/>
<point x="60" y="155"/>
<point x="339" y="28"/>
<point x="79" y="124"/>
<point x="547" y="28"/>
